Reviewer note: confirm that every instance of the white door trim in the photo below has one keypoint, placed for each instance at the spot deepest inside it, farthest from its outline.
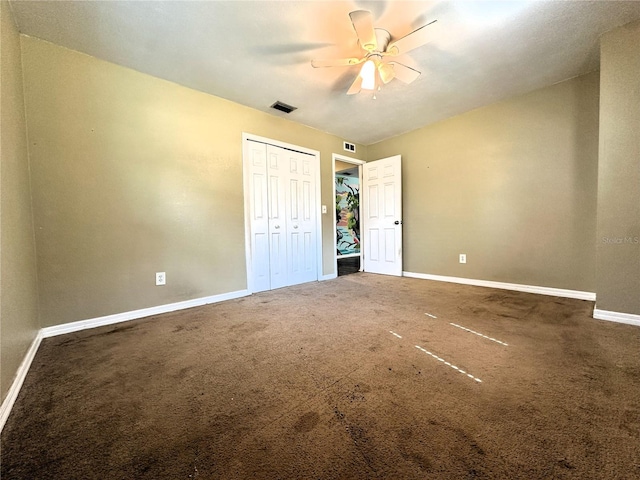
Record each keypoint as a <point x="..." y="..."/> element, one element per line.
<point x="247" y="137"/>
<point x="359" y="163"/>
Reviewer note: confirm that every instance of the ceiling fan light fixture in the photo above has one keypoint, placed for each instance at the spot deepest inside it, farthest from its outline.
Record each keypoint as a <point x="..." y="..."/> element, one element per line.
<point x="368" y="75"/>
<point x="376" y="69"/>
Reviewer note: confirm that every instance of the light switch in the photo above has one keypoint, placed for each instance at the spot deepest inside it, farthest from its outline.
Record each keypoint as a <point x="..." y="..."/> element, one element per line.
<point x="324" y="209"/>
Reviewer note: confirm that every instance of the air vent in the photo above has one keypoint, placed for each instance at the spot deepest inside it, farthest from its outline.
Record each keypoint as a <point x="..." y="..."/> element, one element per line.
<point x="283" y="107"/>
<point x="349" y="147"/>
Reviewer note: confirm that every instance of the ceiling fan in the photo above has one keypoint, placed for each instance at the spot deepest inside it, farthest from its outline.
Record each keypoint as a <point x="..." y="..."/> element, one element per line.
<point x="377" y="54"/>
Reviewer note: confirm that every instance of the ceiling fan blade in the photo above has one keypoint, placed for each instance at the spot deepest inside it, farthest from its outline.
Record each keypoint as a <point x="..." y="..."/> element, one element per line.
<point x="356" y="86"/>
<point x="415" y="39"/>
<point x="386" y="72"/>
<point x="336" y="62"/>
<point x="403" y="73"/>
<point x="363" y="25"/>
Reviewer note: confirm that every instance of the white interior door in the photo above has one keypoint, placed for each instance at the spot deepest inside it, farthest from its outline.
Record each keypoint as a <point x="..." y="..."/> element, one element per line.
<point x="382" y="206"/>
<point x="282" y="212"/>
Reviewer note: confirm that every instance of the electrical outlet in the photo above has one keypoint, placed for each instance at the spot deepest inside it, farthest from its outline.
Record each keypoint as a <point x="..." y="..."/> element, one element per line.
<point x="463" y="258"/>
<point x="161" y="278"/>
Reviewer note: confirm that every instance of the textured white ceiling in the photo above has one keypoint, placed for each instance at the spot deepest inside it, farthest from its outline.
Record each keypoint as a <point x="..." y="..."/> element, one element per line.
<point x="255" y="53"/>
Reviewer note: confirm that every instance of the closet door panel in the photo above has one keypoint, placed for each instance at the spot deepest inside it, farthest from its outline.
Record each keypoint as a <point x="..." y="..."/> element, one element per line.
<point x="259" y="210"/>
<point x="278" y="248"/>
<point x="303" y="219"/>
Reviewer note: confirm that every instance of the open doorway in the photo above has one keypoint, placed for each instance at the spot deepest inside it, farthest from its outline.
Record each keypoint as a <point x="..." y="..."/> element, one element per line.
<point x="347" y="214"/>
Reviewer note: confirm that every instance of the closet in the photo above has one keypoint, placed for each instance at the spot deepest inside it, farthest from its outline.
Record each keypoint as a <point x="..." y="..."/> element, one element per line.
<point x="282" y="211"/>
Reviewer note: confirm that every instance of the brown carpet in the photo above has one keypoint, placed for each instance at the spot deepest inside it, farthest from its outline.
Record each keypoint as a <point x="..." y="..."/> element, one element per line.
<point x="308" y="382"/>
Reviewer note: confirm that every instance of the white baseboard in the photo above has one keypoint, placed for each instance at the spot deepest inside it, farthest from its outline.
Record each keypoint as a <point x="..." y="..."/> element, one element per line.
<point x="21" y="374"/>
<point x="135" y="314"/>
<point x="329" y="276"/>
<point x="630" y="318"/>
<point x="555" y="292"/>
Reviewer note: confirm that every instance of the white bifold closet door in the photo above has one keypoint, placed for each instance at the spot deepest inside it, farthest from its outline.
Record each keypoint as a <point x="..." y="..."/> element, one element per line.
<point x="283" y="217"/>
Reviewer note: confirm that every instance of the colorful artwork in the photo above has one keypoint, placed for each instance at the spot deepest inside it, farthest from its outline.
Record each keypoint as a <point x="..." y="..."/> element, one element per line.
<point x="347" y="214"/>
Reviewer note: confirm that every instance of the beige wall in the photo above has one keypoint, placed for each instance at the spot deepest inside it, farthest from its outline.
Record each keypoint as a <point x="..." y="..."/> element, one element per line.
<point x="618" y="277"/>
<point x="512" y="185"/>
<point x="134" y="175"/>
<point x="18" y="287"/>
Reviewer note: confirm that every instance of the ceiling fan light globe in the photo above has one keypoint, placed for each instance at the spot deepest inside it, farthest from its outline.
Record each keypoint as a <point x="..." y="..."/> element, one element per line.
<point x="386" y="72"/>
<point x="368" y="75"/>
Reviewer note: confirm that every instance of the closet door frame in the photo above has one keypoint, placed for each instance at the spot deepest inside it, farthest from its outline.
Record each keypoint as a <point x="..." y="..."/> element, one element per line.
<point x="246" y="139"/>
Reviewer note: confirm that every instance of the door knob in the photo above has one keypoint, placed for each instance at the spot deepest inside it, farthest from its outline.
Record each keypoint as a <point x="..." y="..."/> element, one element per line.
<point x="277" y="226"/>
<point x="397" y="222"/>
<point x="295" y="226"/>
